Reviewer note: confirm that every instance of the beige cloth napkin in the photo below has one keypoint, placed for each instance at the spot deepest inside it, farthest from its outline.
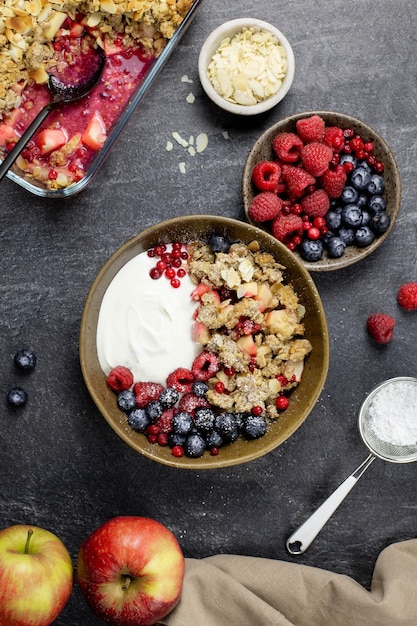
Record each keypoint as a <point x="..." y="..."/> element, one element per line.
<point x="229" y="590"/>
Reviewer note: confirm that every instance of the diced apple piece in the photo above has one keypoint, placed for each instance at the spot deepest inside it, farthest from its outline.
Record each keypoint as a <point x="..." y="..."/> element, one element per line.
<point x="199" y="291"/>
<point x="200" y="333"/>
<point x="247" y="290"/>
<point x="274" y="385"/>
<point x="247" y="344"/>
<point x="51" y="139"/>
<point x="264" y="297"/>
<point x="223" y="378"/>
<point x="95" y="134"/>
<point x="264" y="350"/>
<point x="281" y="321"/>
<point x="7" y="135"/>
<point x="298" y="369"/>
<point x="54" y="23"/>
<point x="76" y="30"/>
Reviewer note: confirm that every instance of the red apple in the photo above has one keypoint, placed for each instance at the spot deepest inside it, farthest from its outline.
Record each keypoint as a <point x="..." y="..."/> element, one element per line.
<point x="36" y="576"/>
<point x="130" y="571"/>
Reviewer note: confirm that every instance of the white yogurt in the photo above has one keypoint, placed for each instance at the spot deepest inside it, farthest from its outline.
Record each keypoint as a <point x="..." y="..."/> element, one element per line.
<point x="145" y="324"/>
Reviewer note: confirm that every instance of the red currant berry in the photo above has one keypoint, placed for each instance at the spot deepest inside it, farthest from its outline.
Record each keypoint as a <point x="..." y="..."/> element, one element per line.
<point x="155" y="273"/>
<point x="177" y="245"/>
<point x="257" y="411"/>
<point x="296" y="209"/>
<point x="159" y="250"/>
<point x="152" y="438"/>
<point x="360" y="154"/>
<point x="348" y="167"/>
<point x="214" y="451"/>
<point x="170" y="273"/>
<point x="151" y="253"/>
<point x="379" y="167"/>
<point x="297" y="239"/>
<point x="181" y="272"/>
<point x="229" y="371"/>
<point x="252" y="365"/>
<point x="175" y="283"/>
<point x="319" y="222"/>
<point x="162" y="439"/>
<point x="161" y="266"/>
<point x="347" y="148"/>
<point x="281" y="403"/>
<point x="176" y="263"/>
<point x="291" y="246"/>
<point x="313" y="233"/>
<point x="337" y="142"/>
<point x="167" y="257"/>
<point x="348" y="133"/>
<point x="184" y="255"/>
<point x="178" y="451"/>
<point x="52" y="175"/>
<point x="219" y="387"/>
<point x="282" y="380"/>
<point x="368" y="146"/>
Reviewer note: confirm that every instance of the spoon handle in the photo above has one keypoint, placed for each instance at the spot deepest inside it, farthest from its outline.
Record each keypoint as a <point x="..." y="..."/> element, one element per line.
<point x="302" y="538"/>
<point x="19" y="145"/>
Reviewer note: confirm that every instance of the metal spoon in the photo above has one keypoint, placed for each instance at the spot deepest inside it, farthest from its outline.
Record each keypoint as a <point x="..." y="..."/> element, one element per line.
<point x="62" y="93"/>
<point x="302" y="538"/>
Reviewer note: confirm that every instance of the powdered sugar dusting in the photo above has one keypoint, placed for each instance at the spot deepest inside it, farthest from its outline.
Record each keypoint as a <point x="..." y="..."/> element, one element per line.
<point x="393" y="413"/>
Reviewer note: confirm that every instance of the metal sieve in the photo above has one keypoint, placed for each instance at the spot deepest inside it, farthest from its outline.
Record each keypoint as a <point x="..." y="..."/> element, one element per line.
<point x="302" y="538"/>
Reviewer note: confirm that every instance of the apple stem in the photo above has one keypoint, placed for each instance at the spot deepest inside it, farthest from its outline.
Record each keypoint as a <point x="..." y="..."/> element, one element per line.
<point x="126" y="584"/>
<point x="29" y="537"/>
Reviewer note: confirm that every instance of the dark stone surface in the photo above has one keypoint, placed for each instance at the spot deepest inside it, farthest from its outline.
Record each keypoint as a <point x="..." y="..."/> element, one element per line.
<point x="62" y="467"/>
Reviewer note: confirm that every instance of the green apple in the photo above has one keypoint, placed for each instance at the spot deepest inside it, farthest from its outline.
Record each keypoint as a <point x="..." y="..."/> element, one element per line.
<point x="130" y="571"/>
<point x="36" y="576"/>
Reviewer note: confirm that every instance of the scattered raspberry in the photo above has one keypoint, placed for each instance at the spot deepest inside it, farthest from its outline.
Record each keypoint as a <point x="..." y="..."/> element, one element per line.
<point x="164" y="421"/>
<point x="266" y="175"/>
<point x="333" y="181"/>
<point x="310" y="128"/>
<point x="265" y="206"/>
<point x="284" y="225"/>
<point x="181" y="379"/>
<point x="381" y="327"/>
<point x="334" y="137"/>
<point x="190" y="402"/>
<point x="297" y="180"/>
<point x="316" y="204"/>
<point x="287" y="147"/>
<point x="120" y="378"/>
<point x="407" y="296"/>
<point x="246" y="326"/>
<point x="145" y="392"/>
<point x="205" y="366"/>
<point x="316" y="157"/>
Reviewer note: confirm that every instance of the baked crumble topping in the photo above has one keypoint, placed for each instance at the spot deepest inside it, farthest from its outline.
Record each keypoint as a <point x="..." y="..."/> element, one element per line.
<point x="28" y="27"/>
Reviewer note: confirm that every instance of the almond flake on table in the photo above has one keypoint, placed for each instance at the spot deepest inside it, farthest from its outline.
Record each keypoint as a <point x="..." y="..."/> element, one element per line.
<point x="249" y="67"/>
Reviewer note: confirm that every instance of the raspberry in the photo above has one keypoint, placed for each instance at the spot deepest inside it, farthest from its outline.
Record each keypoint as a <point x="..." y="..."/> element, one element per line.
<point x="190" y="402"/>
<point x="316" y="157"/>
<point x="381" y="327"/>
<point x="284" y="225"/>
<point x="120" y="378"/>
<point x="265" y="175"/>
<point x="334" y="137"/>
<point x="265" y="206"/>
<point x="181" y="379"/>
<point x="205" y="366"/>
<point x="407" y="296"/>
<point x="333" y="181"/>
<point x="145" y="392"/>
<point x="316" y="204"/>
<point x="287" y="147"/>
<point x="310" y="128"/>
<point x="164" y="421"/>
<point x="297" y="180"/>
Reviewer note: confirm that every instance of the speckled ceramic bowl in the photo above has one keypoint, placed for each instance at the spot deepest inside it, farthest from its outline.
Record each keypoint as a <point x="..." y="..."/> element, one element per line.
<point x="211" y="44"/>
<point x="262" y="150"/>
<point x="303" y="397"/>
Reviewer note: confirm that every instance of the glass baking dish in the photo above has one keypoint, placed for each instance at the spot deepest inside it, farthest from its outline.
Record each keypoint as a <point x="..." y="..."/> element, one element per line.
<point x="147" y="79"/>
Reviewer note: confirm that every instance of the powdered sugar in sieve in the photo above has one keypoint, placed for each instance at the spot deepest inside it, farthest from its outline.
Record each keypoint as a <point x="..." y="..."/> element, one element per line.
<point x="392" y="413"/>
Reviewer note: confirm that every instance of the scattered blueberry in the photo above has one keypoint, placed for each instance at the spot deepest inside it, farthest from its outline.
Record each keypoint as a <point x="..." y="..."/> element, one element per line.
<point x="25" y="359"/>
<point x="194" y="446"/>
<point x="218" y="243"/>
<point x="380" y="222"/>
<point x="364" y="236"/>
<point x="154" y="409"/>
<point x="333" y="219"/>
<point x="254" y="426"/>
<point x="138" y="420"/>
<point x="214" y="439"/>
<point x="168" y="397"/>
<point x="126" y="400"/>
<point x="350" y="195"/>
<point x="349" y="158"/>
<point x="175" y="439"/>
<point x="335" y="247"/>
<point x="377" y="203"/>
<point x="311" y="250"/>
<point x="376" y="185"/>
<point x="366" y="217"/>
<point x="226" y="424"/>
<point x="204" y="419"/>
<point x="182" y="423"/>
<point x="360" y="178"/>
<point x="200" y="388"/>
<point x="352" y="216"/>
<point x="347" y="235"/>
<point x="17" y="397"/>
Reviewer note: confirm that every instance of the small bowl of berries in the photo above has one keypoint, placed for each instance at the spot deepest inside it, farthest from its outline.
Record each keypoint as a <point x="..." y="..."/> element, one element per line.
<point x="204" y="342"/>
<point x="324" y="184"/>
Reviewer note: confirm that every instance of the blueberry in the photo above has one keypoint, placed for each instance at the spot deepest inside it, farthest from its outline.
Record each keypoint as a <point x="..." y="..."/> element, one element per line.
<point x="126" y="400"/>
<point x="194" y="446"/>
<point x="154" y="409"/>
<point x="214" y="439"/>
<point x="349" y="195"/>
<point x="138" y="420"/>
<point x="168" y="397"/>
<point x="311" y="250"/>
<point x="200" y="388"/>
<point x="254" y="426"/>
<point x="335" y="247"/>
<point x="366" y="217"/>
<point x="377" y="203"/>
<point x="380" y="222"/>
<point x="174" y="439"/>
<point x="325" y="238"/>
<point x="182" y="423"/>
<point x="25" y="359"/>
<point x="360" y="178"/>
<point x="376" y="185"/>
<point x="218" y="243"/>
<point x="347" y="235"/>
<point x="204" y="419"/>
<point x="226" y="424"/>
<point x="365" y="165"/>
<point x="17" y="397"/>
<point x="364" y="236"/>
<point x="352" y="215"/>
<point x="362" y="201"/>
<point x="333" y="219"/>
<point x="349" y="158"/>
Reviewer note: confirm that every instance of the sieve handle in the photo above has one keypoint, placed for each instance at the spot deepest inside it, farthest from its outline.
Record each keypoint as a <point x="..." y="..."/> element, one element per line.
<point x="302" y="538"/>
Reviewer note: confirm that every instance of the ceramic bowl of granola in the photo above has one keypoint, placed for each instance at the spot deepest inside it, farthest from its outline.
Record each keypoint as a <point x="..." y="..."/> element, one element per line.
<point x="336" y="184"/>
<point x="246" y="66"/>
<point x="204" y="342"/>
